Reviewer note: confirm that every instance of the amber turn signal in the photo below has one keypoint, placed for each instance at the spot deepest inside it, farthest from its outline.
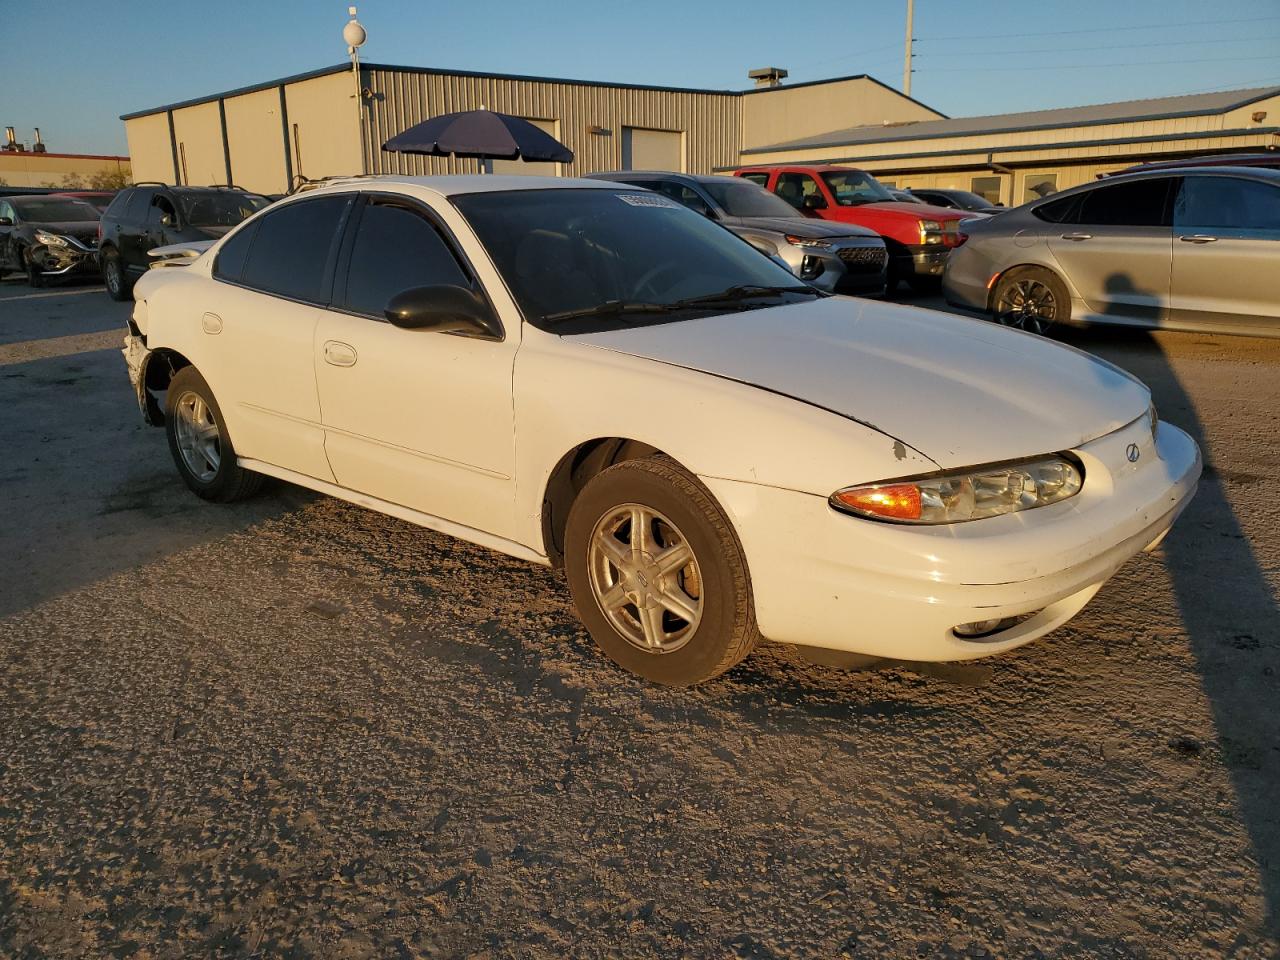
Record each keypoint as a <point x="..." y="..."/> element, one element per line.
<point x="896" y="501"/>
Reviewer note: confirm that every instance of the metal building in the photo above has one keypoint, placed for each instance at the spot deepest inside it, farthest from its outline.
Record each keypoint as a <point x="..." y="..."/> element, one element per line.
<point x="317" y="124"/>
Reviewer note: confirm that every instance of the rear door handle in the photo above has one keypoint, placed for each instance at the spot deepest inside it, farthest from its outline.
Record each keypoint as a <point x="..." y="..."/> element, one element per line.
<point x="339" y="354"/>
<point x="1077" y="236"/>
<point x="1198" y="238"/>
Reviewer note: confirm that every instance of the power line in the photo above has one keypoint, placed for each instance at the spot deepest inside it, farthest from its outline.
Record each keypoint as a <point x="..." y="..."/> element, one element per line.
<point x="1092" y="66"/>
<point x="858" y="53"/>
<point x="1059" y="33"/>
<point x="1120" y="46"/>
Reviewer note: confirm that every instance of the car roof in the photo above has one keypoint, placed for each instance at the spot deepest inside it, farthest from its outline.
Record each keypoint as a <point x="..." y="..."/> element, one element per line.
<point x="666" y="174"/>
<point x="452" y="185"/>
<point x="1224" y="160"/>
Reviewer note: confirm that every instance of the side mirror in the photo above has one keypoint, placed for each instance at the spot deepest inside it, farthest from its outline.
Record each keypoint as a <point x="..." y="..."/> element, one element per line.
<point x="813" y="202"/>
<point x="166" y="220"/>
<point x="5" y="222"/>
<point x="444" y="308"/>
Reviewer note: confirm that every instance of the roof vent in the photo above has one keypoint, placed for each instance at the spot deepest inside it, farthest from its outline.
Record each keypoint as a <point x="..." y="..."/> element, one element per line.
<point x="10" y="140"/>
<point x="768" y="76"/>
<point x="38" y="146"/>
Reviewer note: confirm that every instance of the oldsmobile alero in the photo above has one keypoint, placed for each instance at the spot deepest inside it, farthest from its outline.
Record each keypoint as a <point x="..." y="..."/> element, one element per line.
<point x="583" y="374"/>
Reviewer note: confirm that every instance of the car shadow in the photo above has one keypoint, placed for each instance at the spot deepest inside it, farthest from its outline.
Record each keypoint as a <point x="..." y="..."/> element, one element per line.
<point x="1221" y="591"/>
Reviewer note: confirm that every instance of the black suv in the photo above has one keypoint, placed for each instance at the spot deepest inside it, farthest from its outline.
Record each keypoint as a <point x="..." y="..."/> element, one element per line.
<point x="47" y="237"/>
<point x="150" y="215"/>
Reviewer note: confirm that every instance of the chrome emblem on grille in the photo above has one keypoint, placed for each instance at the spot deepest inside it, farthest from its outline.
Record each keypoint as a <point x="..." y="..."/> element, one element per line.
<point x="1132" y="453"/>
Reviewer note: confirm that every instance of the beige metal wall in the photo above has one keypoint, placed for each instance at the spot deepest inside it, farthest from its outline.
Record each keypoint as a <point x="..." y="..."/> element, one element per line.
<point x="255" y="135"/>
<point x="782" y="114"/>
<point x="150" y="147"/>
<point x="197" y="131"/>
<point x="519" y="168"/>
<point x="402" y="98"/>
<point x="323" y="133"/>
<point x="53" y="169"/>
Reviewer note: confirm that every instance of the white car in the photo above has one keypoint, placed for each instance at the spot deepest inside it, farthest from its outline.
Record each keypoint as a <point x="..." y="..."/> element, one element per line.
<point x="579" y="373"/>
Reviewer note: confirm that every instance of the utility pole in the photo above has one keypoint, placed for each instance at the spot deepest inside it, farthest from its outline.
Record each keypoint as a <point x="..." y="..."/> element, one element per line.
<point x="353" y="34"/>
<point x="906" y="62"/>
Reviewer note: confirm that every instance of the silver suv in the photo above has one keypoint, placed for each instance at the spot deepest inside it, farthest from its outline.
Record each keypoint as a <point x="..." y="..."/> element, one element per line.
<point x="837" y="257"/>
<point x="1196" y="248"/>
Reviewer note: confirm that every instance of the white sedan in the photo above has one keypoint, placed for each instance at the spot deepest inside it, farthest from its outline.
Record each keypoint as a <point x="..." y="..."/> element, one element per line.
<point x="588" y="375"/>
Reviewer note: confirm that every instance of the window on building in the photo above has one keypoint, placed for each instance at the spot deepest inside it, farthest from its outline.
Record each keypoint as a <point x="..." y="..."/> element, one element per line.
<point x="988" y="188"/>
<point x="396" y="248"/>
<point x="1208" y="203"/>
<point x="1039" y="185"/>
<point x="1138" y="203"/>
<point x="291" y="252"/>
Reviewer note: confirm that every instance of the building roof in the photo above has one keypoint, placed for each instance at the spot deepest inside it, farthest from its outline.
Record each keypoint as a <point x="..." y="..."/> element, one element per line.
<point x="392" y="68"/>
<point x="1125" y="111"/>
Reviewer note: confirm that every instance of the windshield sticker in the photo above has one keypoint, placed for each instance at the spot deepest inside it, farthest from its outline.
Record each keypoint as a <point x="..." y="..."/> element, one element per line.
<point x="647" y="200"/>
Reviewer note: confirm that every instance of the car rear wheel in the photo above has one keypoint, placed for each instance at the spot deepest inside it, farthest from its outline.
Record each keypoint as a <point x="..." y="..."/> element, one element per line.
<point x="658" y="575"/>
<point x="1031" y="299"/>
<point x="199" y="443"/>
<point x="115" y="277"/>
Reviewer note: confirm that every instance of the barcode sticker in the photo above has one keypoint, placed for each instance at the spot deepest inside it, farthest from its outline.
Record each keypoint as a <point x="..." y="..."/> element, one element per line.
<point x="647" y="200"/>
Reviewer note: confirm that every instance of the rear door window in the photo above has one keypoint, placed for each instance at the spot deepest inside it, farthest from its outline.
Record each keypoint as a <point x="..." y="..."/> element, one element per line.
<point x="292" y="252"/>
<point x="1138" y="203"/>
<point x="795" y="187"/>
<point x="396" y="248"/>
<point x="1209" y="203"/>
<point x="139" y="202"/>
<point x="233" y="254"/>
<point x="761" y="178"/>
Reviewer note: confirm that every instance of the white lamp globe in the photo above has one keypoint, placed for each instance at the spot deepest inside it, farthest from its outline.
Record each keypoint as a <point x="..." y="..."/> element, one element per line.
<point x="353" y="33"/>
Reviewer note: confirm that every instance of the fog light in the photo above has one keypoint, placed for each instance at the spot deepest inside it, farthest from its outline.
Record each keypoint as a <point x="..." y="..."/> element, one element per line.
<point x="980" y="627"/>
<point x="811" y="267"/>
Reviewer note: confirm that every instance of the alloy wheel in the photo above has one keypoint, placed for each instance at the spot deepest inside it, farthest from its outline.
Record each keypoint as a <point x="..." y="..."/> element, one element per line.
<point x="197" y="436"/>
<point x="645" y="578"/>
<point x="112" y="275"/>
<point x="1027" y="304"/>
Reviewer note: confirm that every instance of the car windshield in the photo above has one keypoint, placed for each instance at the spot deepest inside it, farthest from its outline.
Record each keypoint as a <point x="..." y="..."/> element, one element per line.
<point x="218" y="208"/>
<point x="741" y="198"/>
<point x="581" y="259"/>
<point x="969" y="201"/>
<point x="853" y="187"/>
<point x="55" y="210"/>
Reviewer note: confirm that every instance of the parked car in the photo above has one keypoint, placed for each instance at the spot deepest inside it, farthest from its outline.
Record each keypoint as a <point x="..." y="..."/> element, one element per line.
<point x="918" y="238"/>
<point x="1269" y="159"/>
<point x="99" y="199"/>
<point x="582" y="373"/>
<point x="149" y="215"/>
<point x="838" y="257"/>
<point x="906" y="196"/>
<point x="47" y="237"/>
<point x="1193" y="249"/>
<point x="956" y="200"/>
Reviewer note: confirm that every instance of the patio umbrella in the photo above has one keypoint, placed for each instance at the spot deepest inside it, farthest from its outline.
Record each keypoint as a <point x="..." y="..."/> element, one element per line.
<point x="480" y="133"/>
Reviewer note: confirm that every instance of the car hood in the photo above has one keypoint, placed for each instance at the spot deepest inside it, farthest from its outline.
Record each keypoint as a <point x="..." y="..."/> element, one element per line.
<point x="915" y="211"/>
<point x="959" y="391"/>
<point x="802" y="227"/>
<point x="80" y="229"/>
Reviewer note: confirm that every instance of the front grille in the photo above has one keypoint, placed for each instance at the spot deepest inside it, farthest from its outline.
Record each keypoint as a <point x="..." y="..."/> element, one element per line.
<point x="863" y="259"/>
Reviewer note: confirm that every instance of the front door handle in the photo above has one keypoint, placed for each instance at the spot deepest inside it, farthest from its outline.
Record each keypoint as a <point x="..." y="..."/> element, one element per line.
<point x="339" y="354"/>
<point x="1077" y="236"/>
<point x="1198" y="238"/>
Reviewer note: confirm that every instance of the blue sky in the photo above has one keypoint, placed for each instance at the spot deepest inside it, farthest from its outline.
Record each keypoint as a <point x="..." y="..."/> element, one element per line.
<point x="73" y="68"/>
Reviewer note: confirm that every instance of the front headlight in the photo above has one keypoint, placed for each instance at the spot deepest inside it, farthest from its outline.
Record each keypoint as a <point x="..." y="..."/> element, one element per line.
<point x="50" y="239"/>
<point x="807" y="242"/>
<point x="930" y="231"/>
<point x="961" y="495"/>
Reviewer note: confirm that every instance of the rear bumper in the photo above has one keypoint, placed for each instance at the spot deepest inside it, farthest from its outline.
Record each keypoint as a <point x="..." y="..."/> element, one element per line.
<point x="824" y="579"/>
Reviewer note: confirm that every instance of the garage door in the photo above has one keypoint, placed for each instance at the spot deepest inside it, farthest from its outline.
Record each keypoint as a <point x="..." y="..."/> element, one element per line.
<point x="652" y="149"/>
<point x="520" y="167"/>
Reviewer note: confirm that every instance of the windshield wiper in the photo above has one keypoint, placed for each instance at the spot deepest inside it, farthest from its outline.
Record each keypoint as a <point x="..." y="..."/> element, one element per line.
<point x="610" y="308"/>
<point x="746" y="291"/>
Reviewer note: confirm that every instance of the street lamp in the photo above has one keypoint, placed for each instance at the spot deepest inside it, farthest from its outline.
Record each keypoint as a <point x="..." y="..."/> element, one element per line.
<point x="354" y="35"/>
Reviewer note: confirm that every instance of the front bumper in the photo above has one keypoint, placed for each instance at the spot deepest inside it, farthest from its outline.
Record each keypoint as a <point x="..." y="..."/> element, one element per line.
<point x="824" y="579"/>
<point x="850" y="268"/>
<point x="928" y="260"/>
<point x="136" y="358"/>
<point x="57" y="260"/>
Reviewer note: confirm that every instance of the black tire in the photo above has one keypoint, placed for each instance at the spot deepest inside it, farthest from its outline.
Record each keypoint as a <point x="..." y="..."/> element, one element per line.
<point x="34" y="278"/>
<point x="924" y="286"/>
<point x="1032" y="299"/>
<point x="224" y="481"/>
<point x="726" y="629"/>
<point x="115" y="277"/>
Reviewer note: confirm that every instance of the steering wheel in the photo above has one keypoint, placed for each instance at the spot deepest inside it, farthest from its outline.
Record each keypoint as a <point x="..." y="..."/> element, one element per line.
<point x="652" y="274"/>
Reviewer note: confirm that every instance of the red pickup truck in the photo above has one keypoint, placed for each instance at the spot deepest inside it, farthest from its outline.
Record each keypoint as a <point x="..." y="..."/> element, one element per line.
<point x="919" y="236"/>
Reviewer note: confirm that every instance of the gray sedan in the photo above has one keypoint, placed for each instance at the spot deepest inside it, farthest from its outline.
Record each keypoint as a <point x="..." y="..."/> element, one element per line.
<point x="1189" y="249"/>
<point x="837" y="257"/>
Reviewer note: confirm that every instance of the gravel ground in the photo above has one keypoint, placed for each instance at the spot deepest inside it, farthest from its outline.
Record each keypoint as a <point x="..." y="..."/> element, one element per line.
<point x="295" y="728"/>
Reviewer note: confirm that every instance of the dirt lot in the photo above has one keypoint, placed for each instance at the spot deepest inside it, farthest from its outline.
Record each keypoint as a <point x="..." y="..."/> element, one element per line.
<point x="294" y="728"/>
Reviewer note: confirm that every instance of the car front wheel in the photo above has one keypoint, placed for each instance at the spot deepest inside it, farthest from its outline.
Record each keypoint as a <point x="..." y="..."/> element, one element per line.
<point x="658" y="575"/>
<point x="199" y="443"/>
